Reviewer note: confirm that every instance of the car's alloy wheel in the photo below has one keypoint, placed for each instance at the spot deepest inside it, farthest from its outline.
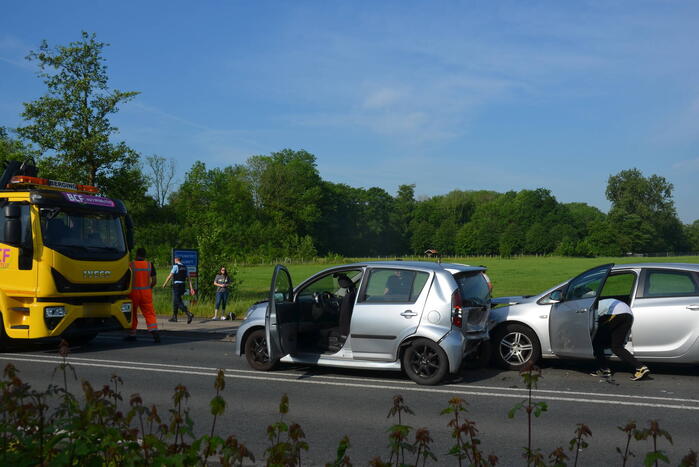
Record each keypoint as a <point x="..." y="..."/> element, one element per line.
<point x="256" y="352"/>
<point x="425" y="362"/>
<point x="516" y="347"/>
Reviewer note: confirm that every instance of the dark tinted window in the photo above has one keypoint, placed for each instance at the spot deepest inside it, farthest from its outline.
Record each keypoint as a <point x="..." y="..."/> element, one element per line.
<point x="394" y="285"/>
<point x="669" y="283"/>
<point x="85" y="235"/>
<point x="473" y="288"/>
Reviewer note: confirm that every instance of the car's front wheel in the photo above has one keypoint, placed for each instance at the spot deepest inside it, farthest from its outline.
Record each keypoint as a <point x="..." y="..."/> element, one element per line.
<point x="515" y="346"/>
<point x="256" y="352"/>
<point x="425" y="362"/>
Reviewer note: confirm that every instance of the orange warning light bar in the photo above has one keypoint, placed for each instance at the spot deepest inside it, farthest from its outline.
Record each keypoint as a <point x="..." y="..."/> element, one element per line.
<point x="88" y="188"/>
<point x="55" y="184"/>
<point x="29" y="180"/>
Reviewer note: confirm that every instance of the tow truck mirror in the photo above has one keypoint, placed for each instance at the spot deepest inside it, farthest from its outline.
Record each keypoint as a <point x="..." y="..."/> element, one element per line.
<point x="12" y="211"/>
<point x="13" y="224"/>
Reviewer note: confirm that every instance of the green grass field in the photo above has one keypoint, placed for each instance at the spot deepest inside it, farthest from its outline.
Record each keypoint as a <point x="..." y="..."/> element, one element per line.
<point x="514" y="276"/>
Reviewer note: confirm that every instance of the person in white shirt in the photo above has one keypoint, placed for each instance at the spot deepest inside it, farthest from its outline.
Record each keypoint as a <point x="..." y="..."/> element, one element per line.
<point x="613" y="325"/>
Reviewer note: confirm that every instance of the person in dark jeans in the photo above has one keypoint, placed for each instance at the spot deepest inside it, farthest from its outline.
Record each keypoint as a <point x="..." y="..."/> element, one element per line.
<point x="179" y="275"/>
<point x="614" y="323"/>
<point x="222" y="281"/>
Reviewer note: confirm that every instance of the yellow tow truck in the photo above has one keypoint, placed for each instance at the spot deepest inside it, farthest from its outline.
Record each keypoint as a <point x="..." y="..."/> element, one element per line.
<point x="64" y="259"/>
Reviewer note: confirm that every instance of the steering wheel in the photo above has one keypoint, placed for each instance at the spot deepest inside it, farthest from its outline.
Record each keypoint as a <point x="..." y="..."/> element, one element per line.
<point x="324" y="299"/>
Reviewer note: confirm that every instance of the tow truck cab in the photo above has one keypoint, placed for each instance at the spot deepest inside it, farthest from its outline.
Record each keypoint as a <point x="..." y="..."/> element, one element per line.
<point x="64" y="259"/>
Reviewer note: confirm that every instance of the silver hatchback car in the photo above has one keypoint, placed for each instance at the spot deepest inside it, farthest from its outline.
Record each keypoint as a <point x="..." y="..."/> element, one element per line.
<point x="560" y="322"/>
<point x="421" y="317"/>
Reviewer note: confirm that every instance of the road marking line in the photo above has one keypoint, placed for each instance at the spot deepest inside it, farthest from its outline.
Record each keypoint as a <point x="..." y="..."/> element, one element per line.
<point x="276" y="375"/>
<point x="364" y="385"/>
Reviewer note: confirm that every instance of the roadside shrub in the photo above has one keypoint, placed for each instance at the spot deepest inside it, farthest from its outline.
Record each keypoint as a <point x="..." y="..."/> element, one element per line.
<point x="53" y="427"/>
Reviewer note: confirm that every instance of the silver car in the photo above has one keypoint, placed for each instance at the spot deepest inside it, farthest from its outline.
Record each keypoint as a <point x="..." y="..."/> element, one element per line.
<point x="560" y="322"/>
<point x="421" y="317"/>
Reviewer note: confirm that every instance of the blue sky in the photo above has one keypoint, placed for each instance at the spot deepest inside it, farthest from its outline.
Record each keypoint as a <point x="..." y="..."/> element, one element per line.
<point x="446" y="95"/>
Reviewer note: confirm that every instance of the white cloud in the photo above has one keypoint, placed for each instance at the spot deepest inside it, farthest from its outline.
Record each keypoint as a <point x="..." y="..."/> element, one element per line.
<point x="168" y="116"/>
<point x="382" y="98"/>
<point x="687" y="165"/>
<point x="13" y="51"/>
<point x="415" y="110"/>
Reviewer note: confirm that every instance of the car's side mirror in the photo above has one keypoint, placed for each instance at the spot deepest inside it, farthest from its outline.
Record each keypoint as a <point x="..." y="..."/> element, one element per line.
<point x="556" y="296"/>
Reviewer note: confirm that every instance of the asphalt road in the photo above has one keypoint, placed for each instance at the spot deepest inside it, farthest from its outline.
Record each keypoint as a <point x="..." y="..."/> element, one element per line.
<point x="330" y="403"/>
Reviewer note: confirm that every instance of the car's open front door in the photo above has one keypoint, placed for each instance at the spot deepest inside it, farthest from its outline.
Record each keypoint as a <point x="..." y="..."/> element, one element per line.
<point x="281" y="318"/>
<point x="572" y="320"/>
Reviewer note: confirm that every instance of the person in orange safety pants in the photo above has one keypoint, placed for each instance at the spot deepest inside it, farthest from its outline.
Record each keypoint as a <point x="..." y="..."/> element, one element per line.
<point x="142" y="295"/>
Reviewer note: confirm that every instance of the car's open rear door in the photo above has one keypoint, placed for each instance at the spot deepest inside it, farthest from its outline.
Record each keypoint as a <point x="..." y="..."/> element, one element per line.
<point x="281" y="318"/>
<point x="572" y="319"/>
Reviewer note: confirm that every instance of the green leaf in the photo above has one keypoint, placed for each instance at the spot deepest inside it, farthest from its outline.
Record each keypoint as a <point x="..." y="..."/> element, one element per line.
<point x="653" y="457"/>
<point x="218" y="405"/>
<point x="513" y="410"/>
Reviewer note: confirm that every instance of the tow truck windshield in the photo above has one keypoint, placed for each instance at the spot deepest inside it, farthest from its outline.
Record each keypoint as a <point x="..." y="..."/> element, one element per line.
<point x="83" y="235"/>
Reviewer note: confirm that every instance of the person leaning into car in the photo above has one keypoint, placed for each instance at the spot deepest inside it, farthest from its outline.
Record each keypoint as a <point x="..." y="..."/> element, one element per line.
<point x="613" y="325"/>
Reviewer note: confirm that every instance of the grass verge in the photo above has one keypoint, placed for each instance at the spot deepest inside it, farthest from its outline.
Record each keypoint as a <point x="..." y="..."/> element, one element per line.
<point x="522" y="275"/>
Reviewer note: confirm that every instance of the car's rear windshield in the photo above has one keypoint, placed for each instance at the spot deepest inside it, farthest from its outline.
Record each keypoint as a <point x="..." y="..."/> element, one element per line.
<point x="473" y="288"/>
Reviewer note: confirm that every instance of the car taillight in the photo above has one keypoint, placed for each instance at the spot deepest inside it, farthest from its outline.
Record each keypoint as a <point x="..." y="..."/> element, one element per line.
<point x="456" y="313"/>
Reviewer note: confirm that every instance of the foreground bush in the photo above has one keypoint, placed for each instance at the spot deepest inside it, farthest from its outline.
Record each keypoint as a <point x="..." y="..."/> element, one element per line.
<point x="53" y="427"/>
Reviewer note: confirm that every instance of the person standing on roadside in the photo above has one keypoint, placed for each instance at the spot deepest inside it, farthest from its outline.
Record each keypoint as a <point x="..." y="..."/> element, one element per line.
<point x="614" y="323"/>
<point x="141" y="295"/>
<point x="179" y="275"/>
<point x="221" y="282"/>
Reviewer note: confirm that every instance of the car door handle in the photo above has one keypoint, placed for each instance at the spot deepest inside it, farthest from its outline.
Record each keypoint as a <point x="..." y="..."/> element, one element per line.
<point x="582" y="310"/>
<point x="408" y="314"/>
<point x="693" y="307"/>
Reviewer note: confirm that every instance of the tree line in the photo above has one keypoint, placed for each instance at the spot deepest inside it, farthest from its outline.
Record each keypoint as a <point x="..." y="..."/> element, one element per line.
<point x="278" y="206"/>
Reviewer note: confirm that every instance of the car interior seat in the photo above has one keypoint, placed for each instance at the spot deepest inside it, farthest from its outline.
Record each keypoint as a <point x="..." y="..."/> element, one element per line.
<point x="337" y="336"/>
<point x="347" y="304"/>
